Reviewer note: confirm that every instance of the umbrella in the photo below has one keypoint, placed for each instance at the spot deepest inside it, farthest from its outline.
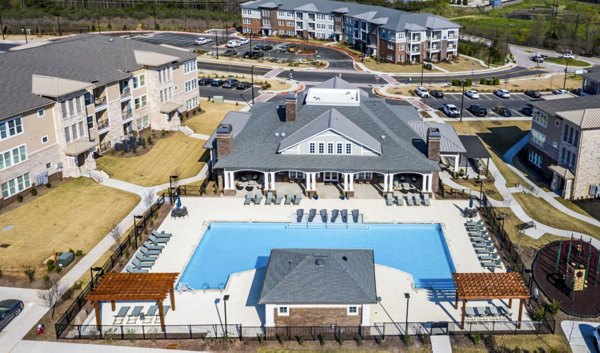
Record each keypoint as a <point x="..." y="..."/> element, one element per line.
<point x="471" y="202"/>
<point x="178" y="200"/>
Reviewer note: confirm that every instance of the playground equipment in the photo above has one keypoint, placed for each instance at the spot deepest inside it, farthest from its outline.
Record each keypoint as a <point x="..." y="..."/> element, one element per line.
<point x="581" y="265"/>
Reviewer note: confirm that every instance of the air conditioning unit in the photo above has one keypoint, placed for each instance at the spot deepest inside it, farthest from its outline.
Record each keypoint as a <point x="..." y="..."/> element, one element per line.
<point x="59" y="165"/>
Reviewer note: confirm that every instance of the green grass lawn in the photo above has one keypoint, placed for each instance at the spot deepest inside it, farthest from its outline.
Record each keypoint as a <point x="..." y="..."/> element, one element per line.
<point x="589" y="208"/>
<point x="511" y="222"/>
<point x="76" y="215"/>
<point x="211" y="116"/>
<point x="572" y="62"/>
<point x="174" y="155"/>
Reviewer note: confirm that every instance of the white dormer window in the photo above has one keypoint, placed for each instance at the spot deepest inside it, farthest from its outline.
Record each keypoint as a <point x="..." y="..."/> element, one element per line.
<point x="41" y="112"/>
<point x="330" y="148"/>
<point x="348" y="148"/>
<point x="352" y="310"/>
<point x="321" y="147"/>
<point x="312" y="148"/>
<point x="340" y="148"/>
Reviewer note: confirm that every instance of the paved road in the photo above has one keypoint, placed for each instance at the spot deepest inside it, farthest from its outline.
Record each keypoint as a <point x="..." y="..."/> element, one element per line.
<point x="515" y="103"/>
<point x="6" y="46"/>
<point x="579" y="335"/>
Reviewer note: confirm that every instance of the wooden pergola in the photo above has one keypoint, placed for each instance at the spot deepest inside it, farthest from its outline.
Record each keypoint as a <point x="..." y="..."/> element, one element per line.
<point x="489" y="286"/>
<point x="133" y="287"/>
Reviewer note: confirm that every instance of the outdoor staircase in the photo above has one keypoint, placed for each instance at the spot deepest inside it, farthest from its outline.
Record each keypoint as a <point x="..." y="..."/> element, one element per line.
<point x="98" y="175"/>
<point x="186" y="130"/>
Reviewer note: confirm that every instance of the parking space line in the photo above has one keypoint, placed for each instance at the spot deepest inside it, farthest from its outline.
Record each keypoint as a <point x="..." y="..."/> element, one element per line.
<point x="485" y="96"/>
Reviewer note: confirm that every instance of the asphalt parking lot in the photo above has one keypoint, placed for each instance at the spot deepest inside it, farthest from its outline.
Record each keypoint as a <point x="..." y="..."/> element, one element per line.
<point x="229" y="94"/>
<point x="490" y="101"/>
<point x="185" y="41"/>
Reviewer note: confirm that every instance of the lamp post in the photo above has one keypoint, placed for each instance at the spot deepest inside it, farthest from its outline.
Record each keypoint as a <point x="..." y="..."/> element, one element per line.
<point x="252" y="82"/>
<point x="225" y="299"/>
<point x="480" y="182"/>
<point x="217" y="43"/>
<point x="172" y="186"/>
<point x="407" y="296"/>
<point x="566" y="69"/>
<point x="24" y="30"/>
<point x="58" y="24"/>
<point x="1" y="25"/>
<point x="462" y="98"/>
<point x="422" y="66"/>
<point x="92" y="270"/>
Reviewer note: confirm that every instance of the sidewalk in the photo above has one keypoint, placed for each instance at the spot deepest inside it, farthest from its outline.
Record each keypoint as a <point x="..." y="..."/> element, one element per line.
<point x="59" y="347"/>
<point x="441" y="344"/>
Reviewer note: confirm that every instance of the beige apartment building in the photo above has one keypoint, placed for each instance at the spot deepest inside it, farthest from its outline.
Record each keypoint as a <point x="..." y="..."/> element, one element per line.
<point x="64" y="103"/>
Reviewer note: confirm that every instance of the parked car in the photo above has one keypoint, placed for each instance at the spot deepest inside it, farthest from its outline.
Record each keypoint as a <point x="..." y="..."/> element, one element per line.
<point x="243" y="85"/>
<point x="257" y="47"/>
<point x="202" y="40"/>
<point x="422" y="92"/>
<point x="234" y="43"/>
<point x="243" y="41"/>
<point x="267" y="47"/>
<point x="533" y="93"/>
<point x="527" y="110"/>
<point x="450" y="110"/>
<point x="205" y="81"/>
<point x="504" y="112"/>
<point x="292" y="48"/>
<point x="216" y="83"/>
<point x="283" y="48"/>
<point x="576" y="91"/>
<point x="230" y="83"/>
<point x="597" y="337"/>
<point x="560" y="91"/>
<point x="502" y="93"/>
<point x="436" y="93"/>
<point x="9" y="309"/>
<point x="477" y="110"/>
<point x="230" y="52"/>
<point x="472" y="94"/>
<point x="254" y="54"/>
<point x="567" y="55"/>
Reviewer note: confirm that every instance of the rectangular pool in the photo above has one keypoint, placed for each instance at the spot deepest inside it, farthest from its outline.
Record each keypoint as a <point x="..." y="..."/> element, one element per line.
<point x="226" y="248"/>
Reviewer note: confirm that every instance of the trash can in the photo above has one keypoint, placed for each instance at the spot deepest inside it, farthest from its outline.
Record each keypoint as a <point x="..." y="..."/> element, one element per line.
<point x="65" y="259"/>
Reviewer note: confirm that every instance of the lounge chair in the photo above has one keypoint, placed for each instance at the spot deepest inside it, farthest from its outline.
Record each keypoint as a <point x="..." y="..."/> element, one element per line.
<point x="299" y="215"/>
<point x="248" y="199"/>
<point x="480" y="239"/>
<point x="334" y="215"/>
<point x="480" y="222"/>
<point x="388" y="199"/>
<point x="409" y="200"/>
<point x="278" y="199"/>
<point x="269" y="198"/>
<point x="323" y="213"/>
<point x="121" y="314"/>
<point x="491" y="264"/>
<point x="157" y="241"/>
<point x="166" y="309"/>
<point x="311" y="215"/>
<point x="470" y="312"/>
<point x="400" y="200"/>
<point x="143" y="258"/>
<point x="487" y="257"/>
<point x="355" y="215"/>
<point x="148" y="245"/>
<point x="504" y="311"/>
<point x="140" y="264"/>
<point x="480" y="311"/>
<point x="257" y="198"/>
<point x="288" y="198"/>
<point x="478" y="231"/>
<point x="426" y="200"/>
<point x="297" y="199"/>
<point x="416" y="199"/>
<point x="131" y="269"/>
<point x="344" y="215"/>
<point x="148" y="252"/>
<point x="492" y="311"/>
<point x="162" y="234"/>
<point x="150" y="314"/>
<point x="487" y="251"/>
<point x="135" y="313"/>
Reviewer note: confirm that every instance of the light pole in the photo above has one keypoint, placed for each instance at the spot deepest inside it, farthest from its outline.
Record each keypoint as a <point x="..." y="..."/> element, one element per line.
<point x="422" y="66"/>
<point x="225" y="299"/>
<point x="480" y="182"/>
<point x="462" y="98"/>
<point x="92" y="270"/>
<point x="1" y="25"/>
<point x="217" y="43"/>
<point x="566" y="69"/>
<point x="58" y="23"/>
<point x="24" y="30"/>
<point x="407" y="296"/>
<point x="252" y="82"/>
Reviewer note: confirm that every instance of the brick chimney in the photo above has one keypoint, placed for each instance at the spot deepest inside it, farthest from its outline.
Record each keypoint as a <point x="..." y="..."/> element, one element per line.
<point x="434" y="138"/>
<point x="291" y="107"/>
<point x="224" y="140"/>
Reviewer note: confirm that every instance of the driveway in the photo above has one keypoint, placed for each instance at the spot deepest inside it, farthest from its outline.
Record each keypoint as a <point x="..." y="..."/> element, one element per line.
<point x="579" y="335"/>
<point x="28" y="318"/>
<point x="515" y="103"/>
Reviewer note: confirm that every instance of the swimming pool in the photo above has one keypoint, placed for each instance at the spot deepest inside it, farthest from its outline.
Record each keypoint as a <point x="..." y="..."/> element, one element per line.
<point x="226" y="248"/>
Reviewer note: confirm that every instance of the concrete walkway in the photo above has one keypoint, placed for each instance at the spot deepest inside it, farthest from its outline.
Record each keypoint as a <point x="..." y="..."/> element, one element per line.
<point x="441" y="344"/>
<point x="579" y="335"/>
<point x="60" y="347"/>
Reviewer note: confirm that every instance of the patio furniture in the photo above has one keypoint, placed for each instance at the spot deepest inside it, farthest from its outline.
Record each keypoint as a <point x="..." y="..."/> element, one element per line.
<point x="400" y="200"/>
<point x="311" y="214"/>
<point x="323" y="213"/>
<point x="482" y="242"/>
<point x="278" y="199"/>
<point x="288" y="198"/>
<point x="344" y="213"/>
<point x="249" y="187"/>
<point x="131" y="269"/>
<point x="297" y="199"/>
<point x="483" y="246"/>
<point x="135" y="313"/>
<point x="299" y="215"/>
<point x="503" y="310"/>
<point x="149" y="252"/>
<point x="405" y="186"/>
<point x="470" y="312"/>
<point x="269" y="198"/>
<point x="239" y="185"/>
<point x="166" y="309"/>
<point x="156" y="240"/>
<point x="355" y="215"/>
<point x="413" y="179"/>
<point x="491" y="264"/>
<point x="426" y="200"/>
<point x="143" y="258"/>
<point x="257" y="199"/>
<point x="480" y="311"/>
<point x="493" y="311"/>
<point x="388" y="199"/>
<point x="409" y="199"/>
<point x="179" y="212"/>
<point x="244" y="178"/>
<point x="148" y="245"/>
<point x="121" y="314"/>
<point x="487" y="251"/>
<point x="416" y="199"/>
<point x="162" y="234"/>
<point x="470" y="212"/>
<point x="334" y="215"/>
<point x="248" y="199"/>
<point x="475" y="223"/>
<point x="402" y="177"/>
<point x="139" y="264"/>
<point x="487" y="257"/>
<point x="150" y="314"/>
<point x="254" y="176"/>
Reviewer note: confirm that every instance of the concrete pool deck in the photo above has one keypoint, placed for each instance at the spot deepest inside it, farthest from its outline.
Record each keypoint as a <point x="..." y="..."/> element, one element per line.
<point x="204" y="307"/>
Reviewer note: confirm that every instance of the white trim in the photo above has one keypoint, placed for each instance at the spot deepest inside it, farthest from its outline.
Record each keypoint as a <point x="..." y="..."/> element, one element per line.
<point x="349" y="313"/>
<point x="286" y="313"/>
<point x="329" y="129"/>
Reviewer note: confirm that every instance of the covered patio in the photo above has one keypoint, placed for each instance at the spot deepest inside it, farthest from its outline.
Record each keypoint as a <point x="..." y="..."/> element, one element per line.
<point x="477" y="153"/>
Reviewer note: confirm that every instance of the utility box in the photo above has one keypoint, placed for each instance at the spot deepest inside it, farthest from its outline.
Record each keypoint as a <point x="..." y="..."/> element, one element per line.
<point x="65" y="259"/>
<point x="218" y="99"/>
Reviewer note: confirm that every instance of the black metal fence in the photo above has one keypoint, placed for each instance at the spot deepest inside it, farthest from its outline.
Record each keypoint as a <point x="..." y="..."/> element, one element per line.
<point x="131" y="240"/>
<point x="289" y="333"/>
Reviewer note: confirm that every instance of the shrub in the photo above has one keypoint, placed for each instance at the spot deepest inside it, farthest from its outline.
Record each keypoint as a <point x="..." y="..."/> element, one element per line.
<point x="79" y="252"/>
<point x="33" y="191"/>
<point x="261" y="338"/>
<point x="58" y="269"/>
<point x="300" y="340"/>
<point x="539" y="313"/>
<point x="46" y="278"/>
<point x="279" y="339"/>
<point x="476" y="338"/>
<point x="30" y="273"/>
<point x="72" y="251"/>
<point x="321" y="339"/>
<point x="149" y="139"/>
<point x="554" y="306"/>
<point x="50" y="265"/>
<point x="77" y="285"/>
<point x="340" y="340"/>
<point x="1" y="273"/>
<point x="407" y="340"/>
<point x="378" y="340"/>
<point x="359" y="340"/>
<point x="19" y="198"/>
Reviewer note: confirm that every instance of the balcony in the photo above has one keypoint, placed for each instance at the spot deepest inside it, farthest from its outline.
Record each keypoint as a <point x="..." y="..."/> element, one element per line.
<point x="125" y="91"/>
<point x="103" y="126"/>
<point x="127" y="115"/>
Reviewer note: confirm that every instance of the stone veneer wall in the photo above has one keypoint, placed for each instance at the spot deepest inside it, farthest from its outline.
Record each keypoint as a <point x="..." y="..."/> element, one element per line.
<point x="588" y="163"/>
<point x="318" y="317"/>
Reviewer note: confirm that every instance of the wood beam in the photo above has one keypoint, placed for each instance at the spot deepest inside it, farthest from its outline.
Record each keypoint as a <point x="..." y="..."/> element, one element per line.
<point x="463" y="314"/>
<point x="98" y="317"/>
<point x="161" y="313"/>
<point x="510" y="303"/>
<point x="456" y="302"/>
<point x="172" y="296"/>
<point x="112" y="305"/>
<point x="520" y="313"/>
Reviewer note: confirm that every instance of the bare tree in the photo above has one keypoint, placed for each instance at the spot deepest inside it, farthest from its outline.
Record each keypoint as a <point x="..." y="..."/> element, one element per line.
<point x="116" y="233"/>
<point x="51" y="296"/>
<point x="148" y="198"/>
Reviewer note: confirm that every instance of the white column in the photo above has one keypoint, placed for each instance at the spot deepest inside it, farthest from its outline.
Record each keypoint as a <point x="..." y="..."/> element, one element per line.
<point x="272" y="181"/>
<point x="269" y="315"/>
<point x="456" y="160"/>
<point x="314" y="182"/>
<point x="385" y="182"/>
<point x="366" y="315"/>
<point x="231" y="180"/>
<point x="346" y="181"/>
<point x="226" y="180"/>
<point x="391" y="182"/>
<point x="351" y="184"/>
<point x="425" y="186"/>
<point x="266" y="181"/>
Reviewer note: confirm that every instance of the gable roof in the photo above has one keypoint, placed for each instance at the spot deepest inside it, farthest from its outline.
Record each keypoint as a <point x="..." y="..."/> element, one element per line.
<point x="567" y="104"/>
<point x="55" y="87"/>
<point x="319" y="276"/>
<point x="150" y="58"/>
<point x="585" y="118"/>
<point x="593" y="73"/>
<point x="331" y="120"/>
<point x="237" y="120"/>
<point x="449" y="142"/>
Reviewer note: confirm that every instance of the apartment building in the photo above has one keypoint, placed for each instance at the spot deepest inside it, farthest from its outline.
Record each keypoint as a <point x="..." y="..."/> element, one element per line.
<point x="591" y="82"/>
<point x="68" y="101"/>
<point x="383" y="33"/>
<point x="565" y="145"/>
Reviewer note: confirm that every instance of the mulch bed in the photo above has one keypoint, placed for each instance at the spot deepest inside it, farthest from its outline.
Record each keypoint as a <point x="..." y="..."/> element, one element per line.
<point x="584" y="303"/>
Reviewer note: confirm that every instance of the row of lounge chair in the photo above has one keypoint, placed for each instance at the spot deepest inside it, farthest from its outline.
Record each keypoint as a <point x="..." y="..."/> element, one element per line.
<point x="148" y="253"/>
<point x="123" y="316"/>
<point x="487" y="311"/>
<point x="336" y="216"/>
<point x="272" y="199"/>
<point x="484" y="246"/>
<point x="411" y="199"/>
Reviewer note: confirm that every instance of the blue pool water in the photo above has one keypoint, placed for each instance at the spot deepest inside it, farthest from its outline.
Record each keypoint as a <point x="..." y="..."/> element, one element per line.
<point x="226" y="248"/>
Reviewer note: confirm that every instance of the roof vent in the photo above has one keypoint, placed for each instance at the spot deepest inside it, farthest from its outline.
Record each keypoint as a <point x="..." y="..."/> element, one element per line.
<point x="283" y="134"/>
<point x="344" y="258"/>
<point x="224" y="129"/>
<point x="111" y="40"/>
<point x="276" y="134"/>
<point x="319" y="262"/>
<point x="383" y="137"/>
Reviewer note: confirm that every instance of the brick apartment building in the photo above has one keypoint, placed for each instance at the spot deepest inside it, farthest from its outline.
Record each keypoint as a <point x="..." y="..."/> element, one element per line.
<point x="383" y="33"/>
<point x="64" y="102"/>
<point x="591" y="82"/>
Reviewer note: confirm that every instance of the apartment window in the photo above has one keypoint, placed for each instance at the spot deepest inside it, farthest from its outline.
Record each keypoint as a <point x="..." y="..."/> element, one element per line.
<point x="266" y="13"/>
<point x="290" y="23"/>
<point x="554" y="144"/>
<point x="296" y="175"/>
<point x="191" y="85"/>
<point x="540" y="118"/>
<point x="364" y="175"/>
<point x="557" y="123"/>
<point x="81" y="129"/>
<point x="139" y="81"/>
<point x="67" y="134"/>
<point x="90" y="122"/>
<point x="41" y="112"/>
<point x="575" y="137"/>
<point x="266" y="22"/>
<point x="299" y="15"/>
<point x="281" y="23"/>
<point x="45" y="139"/>
<point x="283" y="311"/>
<point x="140" y="102"/>
<point x="330" y="148"/>
<point x="165" y="95"/>
<point x="352" y="310"/>
<point x="340" y="148"/>
<point x="247" y="21"/>
<point x="299" y="25"/>
<point x="74" y="131"/>
<point x="321" y="147"/>
<point x="16" y="185"/>
<point x="537" y="137"/>
<point x="164" y="75"/>
<point x="142" y="123"/>
<point x="247" y="11"/>
<point x="348" y="148"/>
<point x="401" y="46"/>
<point x="535" y="158"/>
<point x="48" y="165"/>
<point x="12" y="157"/>
<point x="11" y="128"/>
<point x="311" y="148"/>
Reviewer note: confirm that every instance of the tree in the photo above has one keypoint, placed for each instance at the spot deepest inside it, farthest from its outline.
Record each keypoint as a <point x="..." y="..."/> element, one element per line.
<point x="148" y="198"/>
<point x="116" y="233"/>
<point x="51" y="296"/>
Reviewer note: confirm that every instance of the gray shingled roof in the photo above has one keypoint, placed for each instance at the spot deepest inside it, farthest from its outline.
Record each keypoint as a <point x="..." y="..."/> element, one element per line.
<point x="331" y="120"/>
<point x="593" y="73"/>
<point x="585" y="118"/>
<point x="388" y="18"/>
<point x="237" y="120"/>
<point x="567" y="104"/>
<point x="319" y="276"/>
<point x="87" y="58"/>
<point x="450" y="143"/>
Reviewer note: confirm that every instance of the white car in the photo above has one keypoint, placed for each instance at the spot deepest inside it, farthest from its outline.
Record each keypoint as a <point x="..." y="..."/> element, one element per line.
<point x="502" y="93"/>
<point x="201" y="41"/>
<point x="567" y="56"/>
<point x="234" y="43"/>
<point x="560" y="91"/>
<point x="597" y="337"/>
<point x="422" y="92"/>
<point x="450" y="110"/>
<point x="472" y="94"/>
<point x="243" y="41"/>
